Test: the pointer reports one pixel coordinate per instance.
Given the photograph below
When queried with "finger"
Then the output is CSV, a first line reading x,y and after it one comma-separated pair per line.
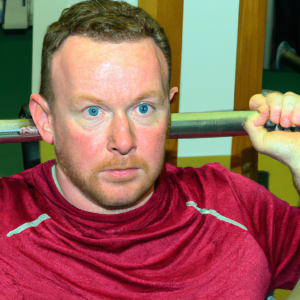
x,y
259,103
296,113
288,106
274,101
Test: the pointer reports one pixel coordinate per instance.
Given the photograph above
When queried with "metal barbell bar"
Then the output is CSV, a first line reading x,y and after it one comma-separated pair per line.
x,y
183,126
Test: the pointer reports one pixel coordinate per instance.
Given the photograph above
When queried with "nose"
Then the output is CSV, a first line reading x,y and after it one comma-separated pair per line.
x,y
121,137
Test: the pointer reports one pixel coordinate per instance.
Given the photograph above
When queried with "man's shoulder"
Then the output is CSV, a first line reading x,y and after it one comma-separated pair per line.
x,y
37,169
211,169
31,177
210,184
211,173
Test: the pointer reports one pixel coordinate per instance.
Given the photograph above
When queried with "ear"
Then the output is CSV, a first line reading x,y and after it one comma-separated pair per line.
x,y
173,91
42,117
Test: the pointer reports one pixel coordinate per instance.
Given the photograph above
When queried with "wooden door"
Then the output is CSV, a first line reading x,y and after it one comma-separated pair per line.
x,y
248,80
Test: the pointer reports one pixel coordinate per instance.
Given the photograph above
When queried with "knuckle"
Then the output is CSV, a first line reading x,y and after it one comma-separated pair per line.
x,y
274,97
289,102
290,94
257,98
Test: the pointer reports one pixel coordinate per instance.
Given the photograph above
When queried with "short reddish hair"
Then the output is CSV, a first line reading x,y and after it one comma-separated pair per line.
x,y
100,20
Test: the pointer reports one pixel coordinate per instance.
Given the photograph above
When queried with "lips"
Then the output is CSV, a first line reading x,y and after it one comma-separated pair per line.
x,y
120,174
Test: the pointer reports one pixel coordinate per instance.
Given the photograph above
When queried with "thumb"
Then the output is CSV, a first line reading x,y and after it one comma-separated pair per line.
x,y
256,130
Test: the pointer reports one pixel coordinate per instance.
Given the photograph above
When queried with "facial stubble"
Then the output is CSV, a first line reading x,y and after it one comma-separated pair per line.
x,y
123,193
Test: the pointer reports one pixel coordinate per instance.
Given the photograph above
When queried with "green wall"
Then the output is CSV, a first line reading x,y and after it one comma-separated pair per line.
x,y
281,81
15,88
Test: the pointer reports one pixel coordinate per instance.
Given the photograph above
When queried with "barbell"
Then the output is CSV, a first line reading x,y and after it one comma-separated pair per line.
x,y
183,126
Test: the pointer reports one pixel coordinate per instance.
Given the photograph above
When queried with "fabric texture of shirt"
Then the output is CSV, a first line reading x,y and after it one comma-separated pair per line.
x,y
204,234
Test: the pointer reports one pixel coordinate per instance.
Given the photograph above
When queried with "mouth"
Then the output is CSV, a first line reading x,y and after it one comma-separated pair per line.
x,y
120,173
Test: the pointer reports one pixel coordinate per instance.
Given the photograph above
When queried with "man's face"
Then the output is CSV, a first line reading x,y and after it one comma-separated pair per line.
x,y
110,118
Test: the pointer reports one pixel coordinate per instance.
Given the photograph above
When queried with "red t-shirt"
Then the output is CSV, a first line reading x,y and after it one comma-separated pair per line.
x,y
204,234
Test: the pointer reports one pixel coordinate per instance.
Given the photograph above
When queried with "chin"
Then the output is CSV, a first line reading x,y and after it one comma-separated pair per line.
x,y
118,198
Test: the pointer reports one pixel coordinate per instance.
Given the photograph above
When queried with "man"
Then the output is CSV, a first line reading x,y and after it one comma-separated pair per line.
x,y
108,220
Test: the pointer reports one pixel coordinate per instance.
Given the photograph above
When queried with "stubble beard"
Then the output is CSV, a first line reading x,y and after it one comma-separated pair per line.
x,y
89,185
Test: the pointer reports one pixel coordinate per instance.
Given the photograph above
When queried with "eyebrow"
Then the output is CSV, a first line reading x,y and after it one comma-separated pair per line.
x,y
146,95
151,94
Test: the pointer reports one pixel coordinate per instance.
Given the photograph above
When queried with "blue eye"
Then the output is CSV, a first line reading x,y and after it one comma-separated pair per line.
x,y
93,111
143,108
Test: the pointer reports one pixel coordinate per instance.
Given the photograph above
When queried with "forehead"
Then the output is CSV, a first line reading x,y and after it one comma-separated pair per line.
x,y
83,61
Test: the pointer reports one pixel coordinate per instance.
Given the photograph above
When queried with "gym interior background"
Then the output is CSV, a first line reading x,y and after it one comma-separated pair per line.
x,y
207,80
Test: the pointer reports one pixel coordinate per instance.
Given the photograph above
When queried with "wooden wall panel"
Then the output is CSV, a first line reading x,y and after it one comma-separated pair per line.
x,y
150,7
169,14
249,68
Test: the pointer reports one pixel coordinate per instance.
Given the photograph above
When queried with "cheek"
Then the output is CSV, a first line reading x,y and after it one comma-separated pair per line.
x,y
84,147
151,142
91,148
